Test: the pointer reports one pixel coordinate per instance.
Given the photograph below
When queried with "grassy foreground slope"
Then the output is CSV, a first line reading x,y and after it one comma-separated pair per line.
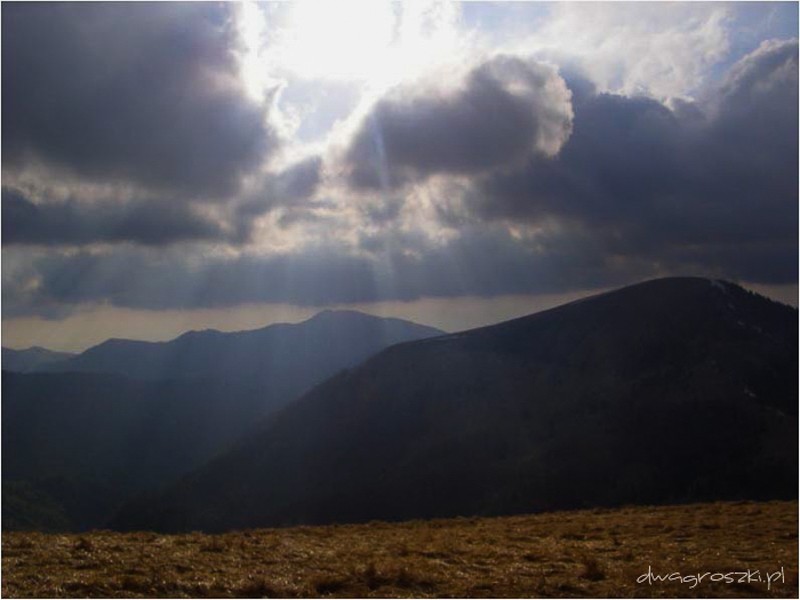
x,y
595,553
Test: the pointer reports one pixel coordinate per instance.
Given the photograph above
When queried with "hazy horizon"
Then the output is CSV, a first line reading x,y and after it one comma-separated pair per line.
x,y
73,334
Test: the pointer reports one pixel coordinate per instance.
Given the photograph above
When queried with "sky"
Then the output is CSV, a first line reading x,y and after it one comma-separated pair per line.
x,y
175,166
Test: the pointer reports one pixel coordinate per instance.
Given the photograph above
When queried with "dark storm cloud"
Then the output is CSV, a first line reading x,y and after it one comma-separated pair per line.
x,y
139,279
298,182
147,222
480,263
291,187
291,190
759,85
483,262
712,185
383,212
622,151
638,190
75,223
506,108
756,121
143,93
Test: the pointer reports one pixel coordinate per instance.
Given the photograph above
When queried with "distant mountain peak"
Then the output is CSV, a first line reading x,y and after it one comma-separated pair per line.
x,y
324,344
196,334
333,313
329,313
39,349
31,358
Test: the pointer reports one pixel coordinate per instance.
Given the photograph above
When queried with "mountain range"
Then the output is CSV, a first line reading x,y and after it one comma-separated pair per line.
x,y
284,359
89,431
31,359
673,390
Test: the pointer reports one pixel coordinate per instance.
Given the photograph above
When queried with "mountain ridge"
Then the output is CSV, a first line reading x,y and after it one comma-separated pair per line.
x,y
31,359
234,354
670,390
154,410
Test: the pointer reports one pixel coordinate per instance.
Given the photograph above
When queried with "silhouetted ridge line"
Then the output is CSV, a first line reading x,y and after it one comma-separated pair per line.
x,y
671,390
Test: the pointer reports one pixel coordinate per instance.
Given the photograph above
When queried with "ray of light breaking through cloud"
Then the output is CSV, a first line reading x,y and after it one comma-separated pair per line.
x,y
219,157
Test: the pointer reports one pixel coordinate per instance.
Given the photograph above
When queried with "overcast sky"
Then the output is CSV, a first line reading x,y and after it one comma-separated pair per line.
x,y
176,166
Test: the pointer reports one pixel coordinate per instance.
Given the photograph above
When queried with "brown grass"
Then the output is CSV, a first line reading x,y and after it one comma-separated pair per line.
x,y
594,553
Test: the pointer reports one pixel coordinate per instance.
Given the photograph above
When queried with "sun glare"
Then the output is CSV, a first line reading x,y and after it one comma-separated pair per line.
x,y
251,26
374,42
339,40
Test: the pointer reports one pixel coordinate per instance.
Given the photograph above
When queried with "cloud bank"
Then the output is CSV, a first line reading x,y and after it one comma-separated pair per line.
x,y
146,94
146,175
505,109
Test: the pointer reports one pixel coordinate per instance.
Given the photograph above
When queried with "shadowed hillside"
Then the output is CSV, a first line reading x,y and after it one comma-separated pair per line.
x,y
87,441
673,390
75,444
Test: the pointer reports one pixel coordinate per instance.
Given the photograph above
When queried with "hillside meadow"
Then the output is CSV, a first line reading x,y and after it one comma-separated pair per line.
x,y
590,553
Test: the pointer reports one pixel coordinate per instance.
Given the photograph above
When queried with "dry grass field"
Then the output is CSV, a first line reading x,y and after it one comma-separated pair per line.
x,y
594,553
